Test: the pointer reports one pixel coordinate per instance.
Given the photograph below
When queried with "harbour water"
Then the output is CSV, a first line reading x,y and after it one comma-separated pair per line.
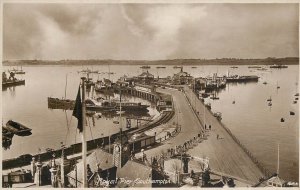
x,y
256,124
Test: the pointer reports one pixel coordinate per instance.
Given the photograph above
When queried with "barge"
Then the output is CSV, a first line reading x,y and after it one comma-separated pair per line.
x,y
56,103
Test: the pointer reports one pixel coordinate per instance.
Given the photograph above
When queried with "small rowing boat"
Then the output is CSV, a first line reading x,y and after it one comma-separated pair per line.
x,y
17,128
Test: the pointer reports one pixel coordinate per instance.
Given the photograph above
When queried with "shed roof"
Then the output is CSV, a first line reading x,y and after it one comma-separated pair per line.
x,y
104,159
135,173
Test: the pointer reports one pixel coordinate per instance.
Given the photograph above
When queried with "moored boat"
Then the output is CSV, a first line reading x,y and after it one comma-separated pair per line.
x,y
133,106
61,103
145,67
254,67
17,128
11,80
262,69
57,103
277,66
237,78
94,105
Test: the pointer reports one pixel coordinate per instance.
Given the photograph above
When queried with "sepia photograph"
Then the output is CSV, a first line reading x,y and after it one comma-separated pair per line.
x,y
170,94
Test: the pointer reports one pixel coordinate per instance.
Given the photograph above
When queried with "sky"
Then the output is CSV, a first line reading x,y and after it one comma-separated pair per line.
x,y
149,31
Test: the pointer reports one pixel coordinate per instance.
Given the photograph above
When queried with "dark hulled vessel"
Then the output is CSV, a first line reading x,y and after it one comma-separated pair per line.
x,y
237,78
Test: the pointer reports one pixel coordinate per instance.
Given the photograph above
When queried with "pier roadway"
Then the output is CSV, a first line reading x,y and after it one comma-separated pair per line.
x,y
190,126
224,154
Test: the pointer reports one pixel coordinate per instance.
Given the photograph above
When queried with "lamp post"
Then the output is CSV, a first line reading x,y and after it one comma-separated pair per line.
x,y
38,164
133,138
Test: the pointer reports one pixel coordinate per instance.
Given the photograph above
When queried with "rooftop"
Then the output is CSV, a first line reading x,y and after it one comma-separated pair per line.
x,y
146,75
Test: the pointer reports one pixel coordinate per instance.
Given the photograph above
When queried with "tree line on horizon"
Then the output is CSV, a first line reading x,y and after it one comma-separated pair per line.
x,y
217,61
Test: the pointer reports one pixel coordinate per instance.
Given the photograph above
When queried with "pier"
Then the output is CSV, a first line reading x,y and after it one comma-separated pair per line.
x,y
184,127
225,154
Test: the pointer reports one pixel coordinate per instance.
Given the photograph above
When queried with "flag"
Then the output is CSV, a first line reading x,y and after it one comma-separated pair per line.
x,y
77,112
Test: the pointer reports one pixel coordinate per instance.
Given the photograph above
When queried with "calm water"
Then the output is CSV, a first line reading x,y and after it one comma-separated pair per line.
x,y
256,124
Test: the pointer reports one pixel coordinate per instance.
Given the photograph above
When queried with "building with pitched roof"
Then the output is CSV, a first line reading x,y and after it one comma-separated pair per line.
x,y
146,77
182,78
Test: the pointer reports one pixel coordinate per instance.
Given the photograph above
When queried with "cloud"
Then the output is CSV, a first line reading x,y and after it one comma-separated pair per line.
x,y
149,31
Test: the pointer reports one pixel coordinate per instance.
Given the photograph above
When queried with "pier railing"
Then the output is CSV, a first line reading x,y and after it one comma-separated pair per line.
x,y
168,136
264,170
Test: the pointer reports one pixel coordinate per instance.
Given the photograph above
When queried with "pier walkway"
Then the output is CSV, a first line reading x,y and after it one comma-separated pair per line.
x,y
224,154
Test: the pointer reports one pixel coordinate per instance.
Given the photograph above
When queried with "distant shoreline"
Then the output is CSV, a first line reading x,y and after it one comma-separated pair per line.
x,y
183,62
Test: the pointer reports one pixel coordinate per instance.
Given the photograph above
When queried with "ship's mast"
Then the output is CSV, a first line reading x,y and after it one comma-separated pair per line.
x,y
84,173
66,85
278,159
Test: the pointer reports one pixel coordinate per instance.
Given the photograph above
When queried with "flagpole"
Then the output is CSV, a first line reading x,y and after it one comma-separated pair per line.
x,y
84,174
